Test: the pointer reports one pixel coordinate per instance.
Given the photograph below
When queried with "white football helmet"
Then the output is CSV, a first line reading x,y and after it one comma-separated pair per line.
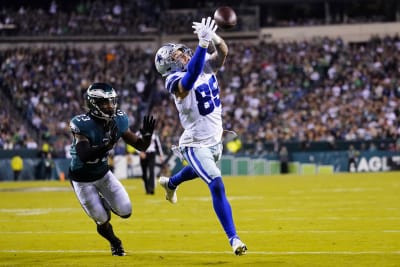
x,y
165,63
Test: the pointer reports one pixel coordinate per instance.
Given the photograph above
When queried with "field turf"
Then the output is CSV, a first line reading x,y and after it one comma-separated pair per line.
x,y
324,220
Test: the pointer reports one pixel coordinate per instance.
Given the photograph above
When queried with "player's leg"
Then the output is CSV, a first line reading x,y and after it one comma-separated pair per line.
x,y
170,184
203,161
115,194
224,212
185,174
91,202
106,231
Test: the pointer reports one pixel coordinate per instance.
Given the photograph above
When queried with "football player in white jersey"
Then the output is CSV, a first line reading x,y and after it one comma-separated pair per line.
x,y
191,79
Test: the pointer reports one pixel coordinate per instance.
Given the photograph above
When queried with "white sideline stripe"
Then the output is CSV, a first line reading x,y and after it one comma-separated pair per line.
x,y
336,218
307,209
210,232
214,252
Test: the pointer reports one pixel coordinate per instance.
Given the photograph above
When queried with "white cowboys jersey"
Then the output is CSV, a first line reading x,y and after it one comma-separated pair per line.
x,y
200,112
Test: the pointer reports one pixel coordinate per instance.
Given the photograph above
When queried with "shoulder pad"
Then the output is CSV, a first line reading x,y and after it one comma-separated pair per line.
x,y
74,127
122,121
77,123
172,81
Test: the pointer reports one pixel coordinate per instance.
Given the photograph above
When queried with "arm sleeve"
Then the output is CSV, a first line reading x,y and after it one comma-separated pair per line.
x,y
195,67
86,152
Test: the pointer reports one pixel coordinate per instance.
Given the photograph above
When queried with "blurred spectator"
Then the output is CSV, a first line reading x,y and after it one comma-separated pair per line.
x,y
352,155
30,143
48,166
17,165
284,160
148,162
234,145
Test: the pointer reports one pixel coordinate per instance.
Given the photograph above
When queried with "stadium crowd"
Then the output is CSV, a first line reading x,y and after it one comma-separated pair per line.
x,y
321,90
77,18
117,18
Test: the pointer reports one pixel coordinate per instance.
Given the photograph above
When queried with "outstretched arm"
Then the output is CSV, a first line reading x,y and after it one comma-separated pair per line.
x,y
195,67
140,143
205,31
143,142
218,56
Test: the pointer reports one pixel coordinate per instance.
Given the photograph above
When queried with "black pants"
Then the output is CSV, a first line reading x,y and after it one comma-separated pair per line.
x,y
148,164
47,173
352,162
16,175
284,167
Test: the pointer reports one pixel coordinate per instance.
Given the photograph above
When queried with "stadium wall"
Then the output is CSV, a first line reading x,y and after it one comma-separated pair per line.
x,y
347,32
301,163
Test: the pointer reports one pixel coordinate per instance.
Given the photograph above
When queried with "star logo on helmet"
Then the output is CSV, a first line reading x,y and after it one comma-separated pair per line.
x,y
159,58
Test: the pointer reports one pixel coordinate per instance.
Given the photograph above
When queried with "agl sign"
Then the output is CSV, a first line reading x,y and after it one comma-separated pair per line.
x,y
373,164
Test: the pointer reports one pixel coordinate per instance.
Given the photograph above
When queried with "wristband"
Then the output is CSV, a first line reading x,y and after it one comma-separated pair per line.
x,y
204,43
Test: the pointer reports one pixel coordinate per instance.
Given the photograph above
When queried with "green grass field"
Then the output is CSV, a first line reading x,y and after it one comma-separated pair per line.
x,y
326,220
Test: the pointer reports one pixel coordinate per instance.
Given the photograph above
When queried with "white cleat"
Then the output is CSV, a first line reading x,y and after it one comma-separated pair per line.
x,y
238,247
170,194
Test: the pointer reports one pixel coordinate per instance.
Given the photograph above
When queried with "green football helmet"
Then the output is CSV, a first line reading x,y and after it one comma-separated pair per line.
x,y
101,100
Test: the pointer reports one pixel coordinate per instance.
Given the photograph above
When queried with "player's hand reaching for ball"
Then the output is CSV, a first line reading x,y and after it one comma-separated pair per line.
x,y
205,31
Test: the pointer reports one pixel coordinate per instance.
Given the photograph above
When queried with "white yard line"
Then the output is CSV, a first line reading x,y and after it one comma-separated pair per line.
x,y
170,252
199,232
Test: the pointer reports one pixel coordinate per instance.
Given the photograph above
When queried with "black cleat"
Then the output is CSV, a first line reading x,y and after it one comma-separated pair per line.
x,y
117,249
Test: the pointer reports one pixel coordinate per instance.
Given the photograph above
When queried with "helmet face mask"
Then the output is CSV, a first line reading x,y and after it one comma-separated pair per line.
x,y
166,62
101,100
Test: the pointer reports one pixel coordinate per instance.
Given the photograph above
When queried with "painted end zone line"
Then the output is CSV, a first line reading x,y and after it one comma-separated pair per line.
x,y
214,252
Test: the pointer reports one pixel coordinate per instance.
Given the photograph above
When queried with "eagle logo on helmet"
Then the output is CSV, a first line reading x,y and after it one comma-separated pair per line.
x,y
101,100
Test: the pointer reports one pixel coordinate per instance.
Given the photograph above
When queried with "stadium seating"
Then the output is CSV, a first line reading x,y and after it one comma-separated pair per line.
x,y
324,90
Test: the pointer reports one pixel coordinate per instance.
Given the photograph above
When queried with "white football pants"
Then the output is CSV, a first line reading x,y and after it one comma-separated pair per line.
x,y
113,192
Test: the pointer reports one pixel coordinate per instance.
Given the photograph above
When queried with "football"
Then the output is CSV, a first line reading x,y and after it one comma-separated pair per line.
x,y
225,17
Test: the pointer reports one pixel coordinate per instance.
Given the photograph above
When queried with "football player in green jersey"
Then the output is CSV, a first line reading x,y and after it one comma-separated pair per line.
x,y
94,134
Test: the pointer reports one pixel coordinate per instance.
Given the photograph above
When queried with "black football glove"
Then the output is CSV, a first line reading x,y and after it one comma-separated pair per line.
x,y
148,126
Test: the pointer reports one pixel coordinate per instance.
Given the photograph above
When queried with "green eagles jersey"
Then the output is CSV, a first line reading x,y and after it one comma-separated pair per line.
x,y
98,134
